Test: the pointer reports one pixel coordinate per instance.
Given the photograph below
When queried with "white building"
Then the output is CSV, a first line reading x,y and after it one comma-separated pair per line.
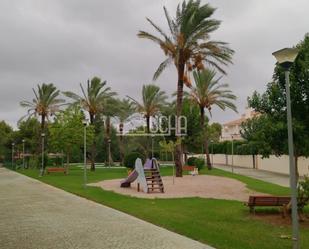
x,y
231,130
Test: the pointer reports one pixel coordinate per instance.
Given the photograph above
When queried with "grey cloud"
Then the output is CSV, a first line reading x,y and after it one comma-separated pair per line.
x,y
67,42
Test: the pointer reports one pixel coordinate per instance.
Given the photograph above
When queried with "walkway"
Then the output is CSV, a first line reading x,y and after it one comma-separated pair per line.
x,y
266,176
34,215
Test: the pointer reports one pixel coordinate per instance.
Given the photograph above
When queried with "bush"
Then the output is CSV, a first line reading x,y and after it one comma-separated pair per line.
x,y
191,161
199,163
196,161
129,159
303,193
34,162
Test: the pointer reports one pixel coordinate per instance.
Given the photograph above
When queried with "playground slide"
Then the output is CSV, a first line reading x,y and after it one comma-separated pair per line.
x,y
131,178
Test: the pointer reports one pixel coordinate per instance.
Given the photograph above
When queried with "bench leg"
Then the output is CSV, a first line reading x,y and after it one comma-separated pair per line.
x,y
252,210
284,211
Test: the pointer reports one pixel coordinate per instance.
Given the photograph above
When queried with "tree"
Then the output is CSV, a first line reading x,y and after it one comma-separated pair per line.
x,y
188,45
206,93
29,130
6,132
92,101
153,99
67,132
272,106
124,111
214,131
110,111
46,103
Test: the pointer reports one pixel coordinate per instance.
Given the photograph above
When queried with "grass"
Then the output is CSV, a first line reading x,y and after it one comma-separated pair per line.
x,y
220,223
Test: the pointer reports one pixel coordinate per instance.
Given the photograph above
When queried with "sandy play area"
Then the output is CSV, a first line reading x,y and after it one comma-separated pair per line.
x,y
188,186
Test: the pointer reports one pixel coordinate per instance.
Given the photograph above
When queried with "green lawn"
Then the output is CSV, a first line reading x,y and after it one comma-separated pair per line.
x,y
220,223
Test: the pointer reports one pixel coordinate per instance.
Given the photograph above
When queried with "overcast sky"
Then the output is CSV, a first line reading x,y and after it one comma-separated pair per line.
x,y
68,41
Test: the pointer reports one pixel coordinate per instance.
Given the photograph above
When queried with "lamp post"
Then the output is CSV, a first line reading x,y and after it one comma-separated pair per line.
x,y
85,152
109,152
13,145
23,153
285,58
42,162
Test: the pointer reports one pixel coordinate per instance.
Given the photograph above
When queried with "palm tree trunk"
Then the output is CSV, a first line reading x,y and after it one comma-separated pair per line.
x,y
206,150
148,124
178,150
121,145
93,146
108,138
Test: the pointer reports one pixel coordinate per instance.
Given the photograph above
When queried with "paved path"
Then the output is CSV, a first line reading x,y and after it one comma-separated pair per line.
x,y
271,177
34,215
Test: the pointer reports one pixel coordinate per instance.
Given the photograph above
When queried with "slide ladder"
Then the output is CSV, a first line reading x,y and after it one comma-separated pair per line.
x,y
153,179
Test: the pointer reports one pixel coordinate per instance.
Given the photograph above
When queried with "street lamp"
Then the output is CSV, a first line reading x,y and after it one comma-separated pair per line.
x,y
13,145
285,58
42,163
85,122
23,153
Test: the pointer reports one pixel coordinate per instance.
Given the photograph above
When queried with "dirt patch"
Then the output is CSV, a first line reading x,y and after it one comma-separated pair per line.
x,y
204,186
275,218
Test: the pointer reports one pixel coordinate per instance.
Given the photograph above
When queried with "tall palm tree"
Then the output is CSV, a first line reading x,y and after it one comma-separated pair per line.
x,y
188,45
92,101
153,100
124,112
208,92
45,103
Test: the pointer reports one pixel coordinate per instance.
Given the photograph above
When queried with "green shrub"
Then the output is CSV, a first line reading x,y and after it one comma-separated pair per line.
x,y
199,163
34,162
129,159
191,161
303,193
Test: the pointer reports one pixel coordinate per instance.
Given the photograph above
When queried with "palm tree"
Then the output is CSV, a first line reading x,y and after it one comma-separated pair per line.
x,y
92,101
45,103
208,92
188,46
153,100
124,112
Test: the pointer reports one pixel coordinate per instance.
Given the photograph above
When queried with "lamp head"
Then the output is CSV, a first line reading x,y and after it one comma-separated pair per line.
x,y
286,57
85,122
23,140
13,144
43,135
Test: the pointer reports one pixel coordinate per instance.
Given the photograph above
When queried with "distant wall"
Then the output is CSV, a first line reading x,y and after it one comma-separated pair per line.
x,y
272,164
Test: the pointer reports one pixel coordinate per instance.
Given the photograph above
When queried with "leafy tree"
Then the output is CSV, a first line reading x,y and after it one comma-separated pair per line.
x,y
67,132
206,93
194,139
214,132
153,99
46,103
29,130
92,101
272,105
6,132
125,110
188,45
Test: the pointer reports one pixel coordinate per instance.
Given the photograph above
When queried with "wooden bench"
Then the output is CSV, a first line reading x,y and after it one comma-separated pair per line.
x,y
50,170
268,201
192,169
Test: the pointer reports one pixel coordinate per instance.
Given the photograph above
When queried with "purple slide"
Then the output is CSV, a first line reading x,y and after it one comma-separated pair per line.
x,y
126,183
